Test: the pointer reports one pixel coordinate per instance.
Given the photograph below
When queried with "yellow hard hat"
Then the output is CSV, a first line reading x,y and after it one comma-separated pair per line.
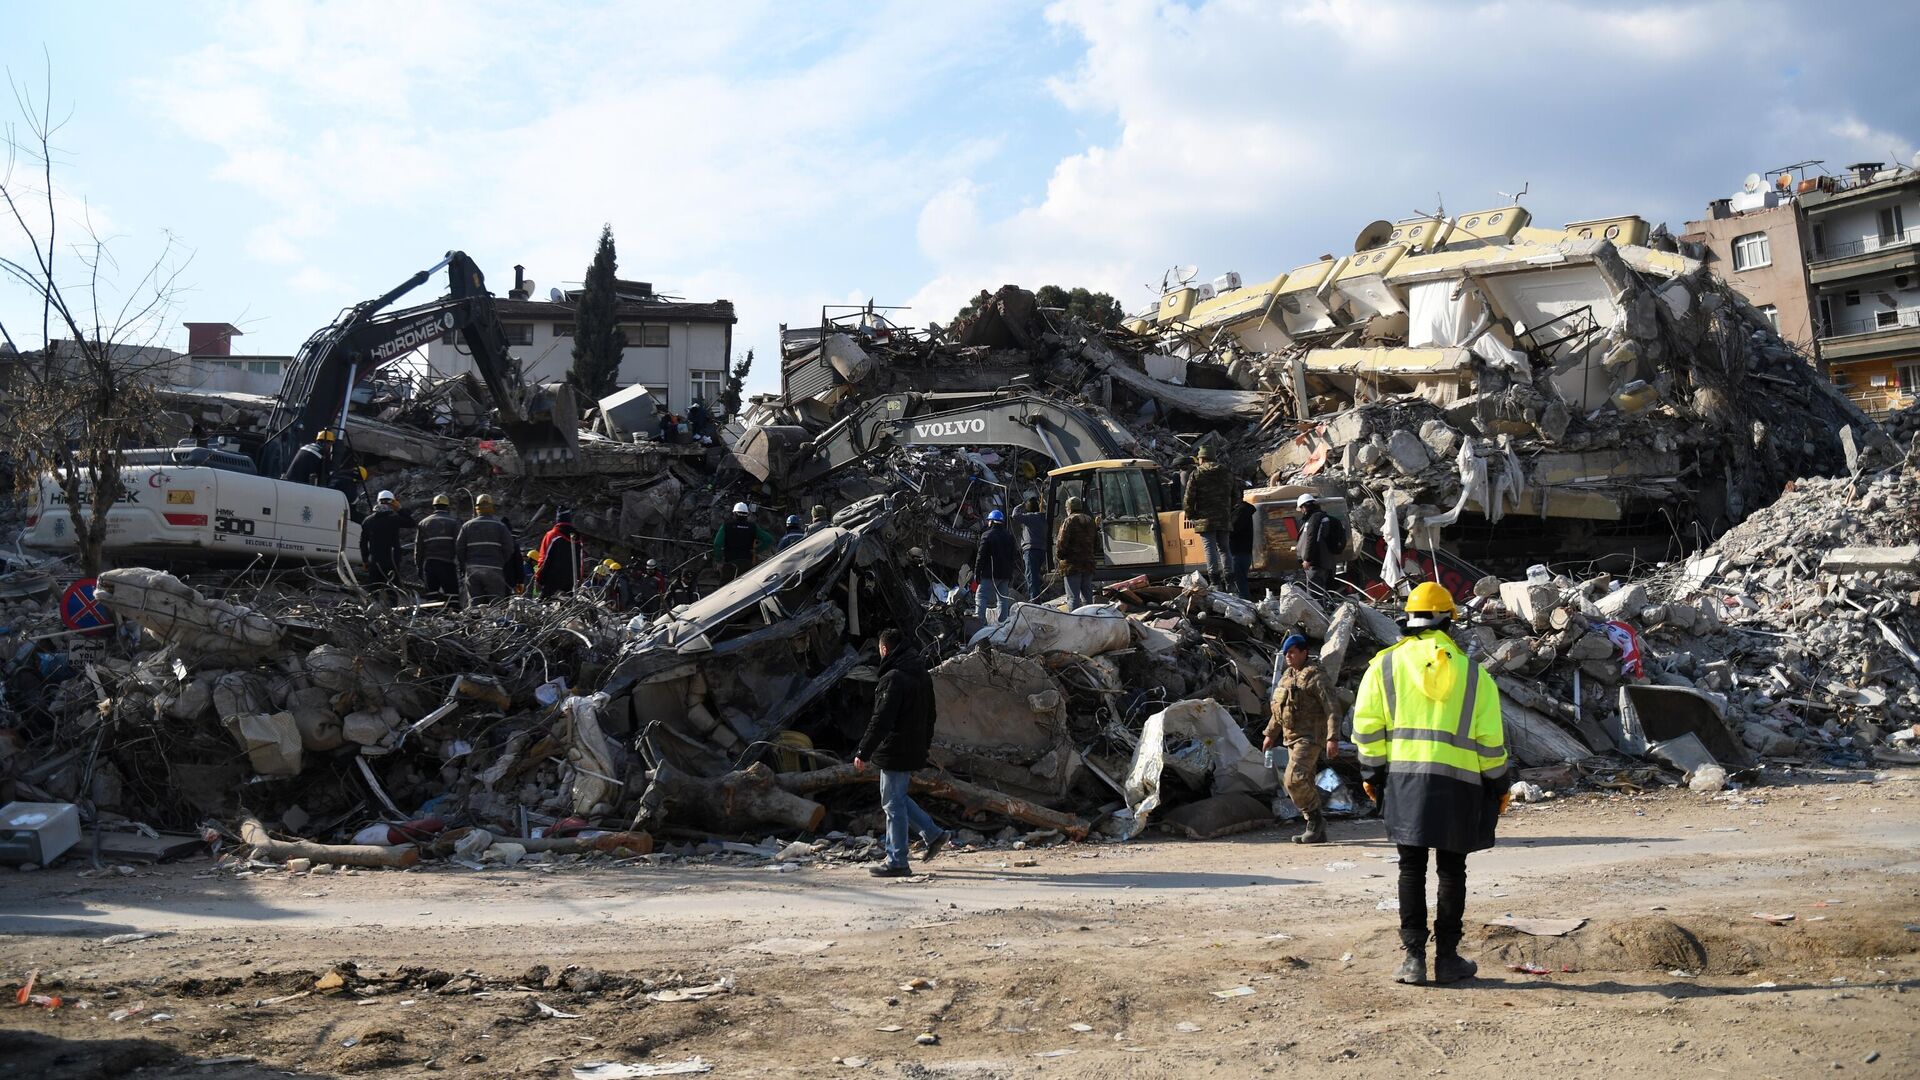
x,y
484,504
533,553
1430,598
325,436
611,565
442,500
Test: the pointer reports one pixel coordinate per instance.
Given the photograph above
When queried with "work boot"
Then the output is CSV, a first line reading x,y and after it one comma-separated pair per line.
x,y
1413,970
889,871
1316,829
1449,967
935,845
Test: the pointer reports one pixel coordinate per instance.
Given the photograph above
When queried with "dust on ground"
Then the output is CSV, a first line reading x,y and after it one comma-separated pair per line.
x,y
1124,961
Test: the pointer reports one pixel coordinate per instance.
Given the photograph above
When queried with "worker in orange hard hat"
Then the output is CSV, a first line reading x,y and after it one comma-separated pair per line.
x,y
1428,731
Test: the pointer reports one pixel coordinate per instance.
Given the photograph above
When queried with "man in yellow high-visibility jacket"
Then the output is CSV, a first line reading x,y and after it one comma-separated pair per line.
x,y
1428,718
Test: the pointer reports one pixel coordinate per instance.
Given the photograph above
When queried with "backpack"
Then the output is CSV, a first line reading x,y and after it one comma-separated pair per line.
x,y
1333,535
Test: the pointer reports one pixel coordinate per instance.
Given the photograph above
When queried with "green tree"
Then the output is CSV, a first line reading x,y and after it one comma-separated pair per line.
x,y
597,339
736,382
1094,308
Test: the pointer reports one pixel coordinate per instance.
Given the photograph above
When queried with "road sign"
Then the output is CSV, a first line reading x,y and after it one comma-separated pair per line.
x,y
80,611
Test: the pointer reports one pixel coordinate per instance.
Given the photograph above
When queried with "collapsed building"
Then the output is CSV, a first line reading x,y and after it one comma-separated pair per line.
x,y
1676,546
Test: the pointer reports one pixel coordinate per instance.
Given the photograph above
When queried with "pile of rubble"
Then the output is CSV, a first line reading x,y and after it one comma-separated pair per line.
x,y
1705,557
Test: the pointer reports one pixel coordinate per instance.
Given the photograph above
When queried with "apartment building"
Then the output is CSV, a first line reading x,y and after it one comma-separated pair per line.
x,y
1863,263
678,350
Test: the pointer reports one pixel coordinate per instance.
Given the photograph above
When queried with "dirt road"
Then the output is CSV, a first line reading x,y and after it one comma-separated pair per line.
x,y
1230,958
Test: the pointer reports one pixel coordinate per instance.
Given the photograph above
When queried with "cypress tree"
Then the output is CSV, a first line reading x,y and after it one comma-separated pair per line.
x,y
597,338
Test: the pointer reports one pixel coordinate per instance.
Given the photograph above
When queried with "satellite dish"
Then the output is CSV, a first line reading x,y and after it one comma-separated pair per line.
x,y
556,296
1374,235
1186,273
1916,159
1751,184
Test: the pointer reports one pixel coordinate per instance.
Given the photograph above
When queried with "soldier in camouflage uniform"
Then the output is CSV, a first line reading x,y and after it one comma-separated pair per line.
x,y
1305,719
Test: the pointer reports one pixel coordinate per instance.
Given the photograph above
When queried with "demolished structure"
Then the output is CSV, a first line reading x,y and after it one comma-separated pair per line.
x,y
1675,545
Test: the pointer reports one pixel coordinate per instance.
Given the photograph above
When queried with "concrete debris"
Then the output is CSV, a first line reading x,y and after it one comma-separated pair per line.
x,y
707,674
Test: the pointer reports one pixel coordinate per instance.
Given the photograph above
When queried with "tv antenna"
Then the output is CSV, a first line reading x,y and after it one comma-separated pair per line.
x,y
1516,196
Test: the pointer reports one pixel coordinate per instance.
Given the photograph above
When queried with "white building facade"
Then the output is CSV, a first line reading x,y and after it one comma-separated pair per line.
x,y
679,351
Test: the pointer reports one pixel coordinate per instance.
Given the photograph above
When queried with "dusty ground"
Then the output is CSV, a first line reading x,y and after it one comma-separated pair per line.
x,y
1671,976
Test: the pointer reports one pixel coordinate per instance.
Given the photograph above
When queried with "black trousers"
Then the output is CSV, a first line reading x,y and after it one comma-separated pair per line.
x,y
440,578
1451,868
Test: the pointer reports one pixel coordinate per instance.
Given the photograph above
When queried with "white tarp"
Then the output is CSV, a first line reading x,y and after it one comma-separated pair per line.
x,y
1237,763
1032,629
1436,316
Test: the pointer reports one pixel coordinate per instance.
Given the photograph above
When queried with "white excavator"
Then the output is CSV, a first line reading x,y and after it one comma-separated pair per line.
x,y
254,495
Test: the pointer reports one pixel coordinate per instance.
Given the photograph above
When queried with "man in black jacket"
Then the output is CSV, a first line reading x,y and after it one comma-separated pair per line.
x,y
896,740
994,566
380,542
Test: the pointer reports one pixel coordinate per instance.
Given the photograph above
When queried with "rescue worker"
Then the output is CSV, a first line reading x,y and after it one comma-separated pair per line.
x,y
563,559
616,588
994,565
530,572
380,541
685,590
1305,718
485,556
1323,540
1030,528
1240,548
794,534
1209,508
1078,548
734,542
1428,718
310,462
821,519
650,588
433,549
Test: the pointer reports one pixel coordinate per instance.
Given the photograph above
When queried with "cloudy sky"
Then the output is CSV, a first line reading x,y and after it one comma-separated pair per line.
x,y
304,156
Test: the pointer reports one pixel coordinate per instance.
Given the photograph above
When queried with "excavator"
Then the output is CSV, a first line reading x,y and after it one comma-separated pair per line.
x,y
1142,528
228,502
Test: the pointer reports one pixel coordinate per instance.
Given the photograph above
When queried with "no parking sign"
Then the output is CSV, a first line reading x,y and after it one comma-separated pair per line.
x,y
80,611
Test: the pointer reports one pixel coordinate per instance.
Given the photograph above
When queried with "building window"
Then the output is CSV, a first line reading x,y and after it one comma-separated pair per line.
x,y
518,333
647,336
1891,226
1819,239
563,329
1772,312
264,367
659,395
1851,297
1825,315
708,385
1751,250
1909,376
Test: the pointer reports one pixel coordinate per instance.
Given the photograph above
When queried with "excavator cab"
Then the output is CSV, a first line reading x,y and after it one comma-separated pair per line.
x,y
1142,528
1123,494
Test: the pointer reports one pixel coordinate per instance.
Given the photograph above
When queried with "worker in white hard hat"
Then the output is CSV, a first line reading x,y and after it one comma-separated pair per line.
x,y
1323,543
735,542
380,542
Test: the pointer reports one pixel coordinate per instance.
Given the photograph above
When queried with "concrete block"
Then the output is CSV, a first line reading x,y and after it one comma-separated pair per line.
x,y
1530,602
1407,454
1624,602
1856,560
1440,439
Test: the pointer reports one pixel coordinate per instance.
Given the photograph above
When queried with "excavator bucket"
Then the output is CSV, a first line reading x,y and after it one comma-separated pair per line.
x,y
548,429
768,454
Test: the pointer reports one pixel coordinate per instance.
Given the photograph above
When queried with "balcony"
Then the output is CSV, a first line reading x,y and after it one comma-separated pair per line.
x,y
1887,332
1867,255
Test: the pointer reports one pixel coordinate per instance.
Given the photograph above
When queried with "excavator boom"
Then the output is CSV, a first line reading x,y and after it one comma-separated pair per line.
x,y
786,456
